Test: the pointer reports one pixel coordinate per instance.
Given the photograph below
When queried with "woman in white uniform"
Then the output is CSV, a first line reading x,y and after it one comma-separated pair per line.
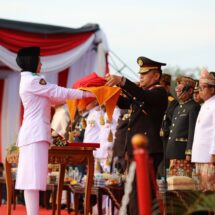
x,y
35,134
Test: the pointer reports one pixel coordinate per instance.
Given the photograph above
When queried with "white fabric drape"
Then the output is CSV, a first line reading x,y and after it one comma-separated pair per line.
x,y
58,62
54,63
87,58
10,110
82,67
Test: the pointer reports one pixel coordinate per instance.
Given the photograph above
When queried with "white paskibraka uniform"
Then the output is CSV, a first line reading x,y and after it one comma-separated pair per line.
x,y
35,134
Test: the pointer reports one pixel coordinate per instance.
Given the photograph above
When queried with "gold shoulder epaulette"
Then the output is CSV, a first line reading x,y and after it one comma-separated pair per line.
x,y
170,98
188,152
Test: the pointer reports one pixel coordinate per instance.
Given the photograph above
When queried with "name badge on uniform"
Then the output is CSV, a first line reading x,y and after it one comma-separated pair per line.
x,y
42,82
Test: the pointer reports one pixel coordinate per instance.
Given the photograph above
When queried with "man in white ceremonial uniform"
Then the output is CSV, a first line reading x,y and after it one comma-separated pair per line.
x,y
91,134
35,134
93,128
203,151
97,131
107,137
104,154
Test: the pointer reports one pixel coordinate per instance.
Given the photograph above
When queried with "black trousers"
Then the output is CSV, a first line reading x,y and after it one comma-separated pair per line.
x,y
133,204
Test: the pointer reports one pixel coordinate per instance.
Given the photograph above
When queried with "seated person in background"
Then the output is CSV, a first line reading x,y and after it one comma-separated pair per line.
x,y
79,125
61,121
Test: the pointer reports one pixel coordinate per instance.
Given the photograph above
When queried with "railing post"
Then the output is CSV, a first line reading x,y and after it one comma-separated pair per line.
x,y
141,158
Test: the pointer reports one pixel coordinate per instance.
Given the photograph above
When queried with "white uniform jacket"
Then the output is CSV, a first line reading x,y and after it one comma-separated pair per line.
x,y
92,131
105,145
204,136
37,96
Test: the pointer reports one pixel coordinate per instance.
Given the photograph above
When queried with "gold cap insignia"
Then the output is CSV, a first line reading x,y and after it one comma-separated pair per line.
x,y
140,62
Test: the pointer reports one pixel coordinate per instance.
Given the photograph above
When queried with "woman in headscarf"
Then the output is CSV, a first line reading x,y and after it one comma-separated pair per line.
x,y
37,95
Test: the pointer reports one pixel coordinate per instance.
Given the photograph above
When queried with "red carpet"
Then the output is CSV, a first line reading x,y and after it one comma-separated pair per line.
x,y
20,210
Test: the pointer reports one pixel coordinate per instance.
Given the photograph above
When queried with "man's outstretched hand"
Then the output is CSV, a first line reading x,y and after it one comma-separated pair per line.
x,y
113,80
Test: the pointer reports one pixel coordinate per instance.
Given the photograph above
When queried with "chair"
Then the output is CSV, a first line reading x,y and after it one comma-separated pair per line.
x,y
115,193
53,189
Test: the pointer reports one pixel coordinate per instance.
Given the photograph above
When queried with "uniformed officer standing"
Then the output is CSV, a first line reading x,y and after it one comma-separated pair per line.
x,y
149,102
172,103
182,129
119,161
35,134
167,121
196,95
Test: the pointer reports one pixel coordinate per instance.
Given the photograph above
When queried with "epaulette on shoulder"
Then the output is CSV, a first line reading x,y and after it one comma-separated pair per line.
x,y
171,98
34,74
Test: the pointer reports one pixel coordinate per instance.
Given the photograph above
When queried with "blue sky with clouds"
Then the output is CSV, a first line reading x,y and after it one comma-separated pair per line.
x,y
178,32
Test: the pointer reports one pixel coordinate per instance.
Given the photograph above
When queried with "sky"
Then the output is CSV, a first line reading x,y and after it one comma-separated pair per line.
x,y
177,32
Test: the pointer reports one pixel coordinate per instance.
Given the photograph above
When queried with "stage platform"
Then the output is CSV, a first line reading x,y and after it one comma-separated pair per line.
x,y
20,210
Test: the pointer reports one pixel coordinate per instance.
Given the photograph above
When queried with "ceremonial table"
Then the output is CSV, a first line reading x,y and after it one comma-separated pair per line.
x,y
74,154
